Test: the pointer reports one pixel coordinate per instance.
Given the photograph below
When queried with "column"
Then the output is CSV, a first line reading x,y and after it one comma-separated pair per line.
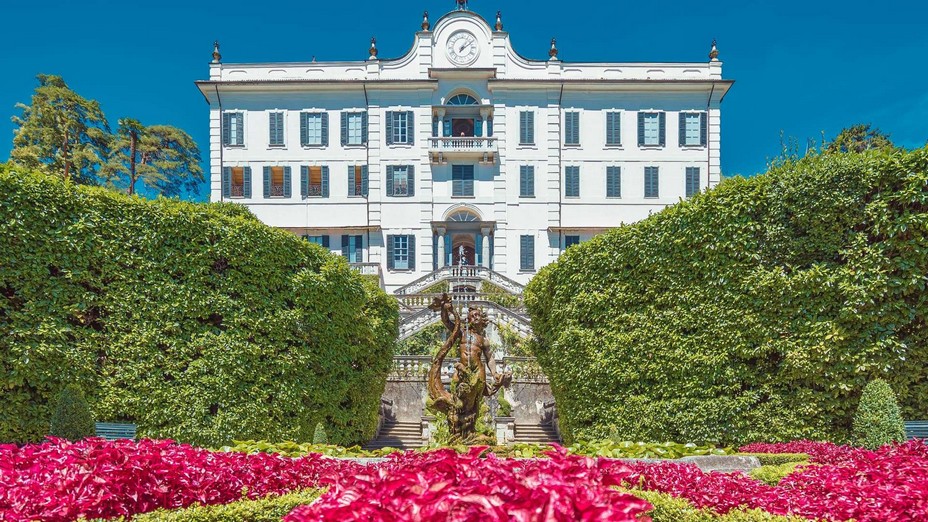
x,y
484,115
486,247
442,261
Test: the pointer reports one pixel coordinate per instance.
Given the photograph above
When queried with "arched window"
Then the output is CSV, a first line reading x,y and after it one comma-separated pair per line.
x,y
463,99
463,216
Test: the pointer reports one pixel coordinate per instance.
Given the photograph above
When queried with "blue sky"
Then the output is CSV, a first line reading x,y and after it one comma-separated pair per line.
x,y
800,67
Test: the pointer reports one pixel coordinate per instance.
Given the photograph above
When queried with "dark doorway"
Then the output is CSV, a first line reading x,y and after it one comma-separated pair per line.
x,y
462,127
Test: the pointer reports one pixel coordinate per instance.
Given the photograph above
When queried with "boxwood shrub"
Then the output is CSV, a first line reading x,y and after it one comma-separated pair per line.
x,y
754,311
195,321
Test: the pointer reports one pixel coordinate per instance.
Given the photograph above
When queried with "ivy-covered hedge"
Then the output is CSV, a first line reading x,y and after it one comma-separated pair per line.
x,y
196,322
754,311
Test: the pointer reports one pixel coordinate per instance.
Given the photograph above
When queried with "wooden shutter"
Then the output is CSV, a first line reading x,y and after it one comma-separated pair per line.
x,y
662,128
640,129
364,181
359,249
389,127
478,128
246,182
410,128
288,183
526,181
304,129
344,128
226,128
390,170
683,129
703,128
572,183
325,182
489,127
435,123
364,127
411,243
226,182
240,128
613,128
527,253
346,240
411,180
447,129
267,182
325,242
304,181
613,182
390,248
273,127
325,129
351,180
572,129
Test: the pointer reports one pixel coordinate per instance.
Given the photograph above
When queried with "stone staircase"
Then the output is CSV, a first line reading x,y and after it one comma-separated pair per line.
x,y
400,435
536,433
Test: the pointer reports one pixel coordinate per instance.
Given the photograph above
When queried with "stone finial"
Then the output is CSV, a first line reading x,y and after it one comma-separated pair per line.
x,y
462,5
217,58
499,20
426,26
714,53
373,50
553,52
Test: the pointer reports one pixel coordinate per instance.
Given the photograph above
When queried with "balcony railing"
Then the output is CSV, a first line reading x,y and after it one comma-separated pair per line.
x,y
238,191
277,191
370,269
314,190
482,148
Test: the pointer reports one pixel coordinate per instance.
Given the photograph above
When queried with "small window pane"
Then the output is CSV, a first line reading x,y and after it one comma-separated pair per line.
x,y
693,128
400,131
400,181
652,128
401,252
314,129
238,182
355,129
651,182
570,241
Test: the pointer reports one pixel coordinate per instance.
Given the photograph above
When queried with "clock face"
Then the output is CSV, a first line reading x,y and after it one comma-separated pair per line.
x,y
463,48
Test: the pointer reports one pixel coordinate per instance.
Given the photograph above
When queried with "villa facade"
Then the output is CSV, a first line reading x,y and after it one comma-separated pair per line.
x,y
462,151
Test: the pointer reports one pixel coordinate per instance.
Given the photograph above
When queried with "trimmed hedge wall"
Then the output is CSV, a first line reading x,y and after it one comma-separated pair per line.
x,y
755,311
196,322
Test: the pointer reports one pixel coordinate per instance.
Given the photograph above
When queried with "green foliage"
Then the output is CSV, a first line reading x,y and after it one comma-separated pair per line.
x,y
61,133
296,449
671,509
776,459
878,420
426,342
754,311
505,407
164,158
643,450
500,296
195,322
772,474
319,436
267,509
72,419
859,138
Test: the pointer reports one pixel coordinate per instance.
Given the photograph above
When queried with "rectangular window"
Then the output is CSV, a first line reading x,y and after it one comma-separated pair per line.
x,y
462,181
572,182
526,181
312,123
613,128
651,188
233,129
322,241
357,180
527,128
527,254
400,181
277,182
401,252
572,128
651,128
353,248
692,181
401,127
692,129
238,182
613,182
355,128
276,129
570,241
315,182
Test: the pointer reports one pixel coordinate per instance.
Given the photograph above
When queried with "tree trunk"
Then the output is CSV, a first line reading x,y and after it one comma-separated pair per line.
x,y
64,151
133,146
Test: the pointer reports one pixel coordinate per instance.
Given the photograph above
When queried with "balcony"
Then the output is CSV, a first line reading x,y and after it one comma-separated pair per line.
x,y
467,148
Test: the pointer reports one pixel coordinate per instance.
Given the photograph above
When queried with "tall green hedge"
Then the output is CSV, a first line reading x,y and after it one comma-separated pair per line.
x,y
754,311
196,322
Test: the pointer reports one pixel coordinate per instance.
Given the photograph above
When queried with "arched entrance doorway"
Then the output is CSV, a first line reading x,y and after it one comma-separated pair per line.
x,y
463,250
463,238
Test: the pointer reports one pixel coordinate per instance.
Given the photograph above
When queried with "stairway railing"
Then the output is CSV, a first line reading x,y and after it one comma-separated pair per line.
x,y
461,273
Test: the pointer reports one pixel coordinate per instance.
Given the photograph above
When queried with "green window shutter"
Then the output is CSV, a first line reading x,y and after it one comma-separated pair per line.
x,y
489,127
304,181
267,182
325,242
410,128
682,129
411,180
390,261
527,128
389,127
527,254
226,128
276,128
351,180
447,125
240,125
246,182
613,182
692,181
478,128
344,128
640,129
226,182
390,170
662,130
412,252
364,181
703,128
325,129
304,129
364,128
435,122
526,181
346,245
613,128
651,182
288,183
325,182
572,182
572,128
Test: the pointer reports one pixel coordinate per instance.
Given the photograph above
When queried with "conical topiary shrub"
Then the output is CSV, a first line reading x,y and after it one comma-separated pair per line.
x,y
72,419
319,436
878,420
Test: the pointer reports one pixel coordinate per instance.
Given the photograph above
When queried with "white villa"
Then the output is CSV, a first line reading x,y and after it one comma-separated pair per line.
x,y
462,147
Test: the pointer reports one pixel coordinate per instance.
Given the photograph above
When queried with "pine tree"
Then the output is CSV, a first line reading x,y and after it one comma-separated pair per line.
x,y
878,420
319,436
72,419
164,158
61,133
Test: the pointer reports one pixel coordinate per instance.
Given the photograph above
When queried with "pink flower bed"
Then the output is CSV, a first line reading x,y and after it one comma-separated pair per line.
x,y
850,483
59,480
444,486
819,452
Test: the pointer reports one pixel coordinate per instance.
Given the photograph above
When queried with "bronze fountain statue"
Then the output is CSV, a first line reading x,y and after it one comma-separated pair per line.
x,y
469,383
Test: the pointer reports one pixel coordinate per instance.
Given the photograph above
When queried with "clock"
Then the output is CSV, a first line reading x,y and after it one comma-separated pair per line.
x,y
463,48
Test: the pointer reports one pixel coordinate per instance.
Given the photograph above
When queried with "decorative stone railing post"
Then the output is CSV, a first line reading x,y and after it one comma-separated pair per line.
x,y
428,429
505,430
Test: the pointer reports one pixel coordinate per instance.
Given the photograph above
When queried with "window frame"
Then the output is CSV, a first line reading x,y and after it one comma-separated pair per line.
x,y
617,114
657,180
527,128
686,130
657,131
463,182
232,184
526,172
359,117
281,127
686,181
397,248
529,240
401,129
617,171
571,170
233,115
567,238
394,171
571,126
310,116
